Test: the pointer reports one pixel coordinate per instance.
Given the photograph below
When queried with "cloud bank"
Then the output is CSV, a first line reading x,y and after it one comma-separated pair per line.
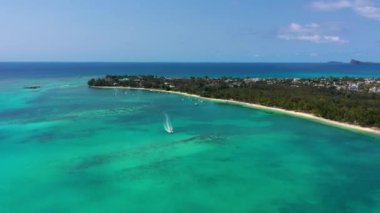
x,y
310,32
364,8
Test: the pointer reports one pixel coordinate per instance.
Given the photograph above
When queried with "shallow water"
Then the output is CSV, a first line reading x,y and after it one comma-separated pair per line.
x,y
68,148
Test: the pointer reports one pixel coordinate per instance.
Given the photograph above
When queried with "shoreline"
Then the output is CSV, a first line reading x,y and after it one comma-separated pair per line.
x,y
341,125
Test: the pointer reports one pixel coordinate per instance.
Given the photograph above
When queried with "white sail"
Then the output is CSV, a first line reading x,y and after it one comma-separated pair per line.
x,y
167,124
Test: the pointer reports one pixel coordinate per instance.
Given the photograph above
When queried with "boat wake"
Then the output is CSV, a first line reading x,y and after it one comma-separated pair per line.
x,y
168,127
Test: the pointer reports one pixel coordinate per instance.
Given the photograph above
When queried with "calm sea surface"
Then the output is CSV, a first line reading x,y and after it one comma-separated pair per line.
x,y
33,70
68,148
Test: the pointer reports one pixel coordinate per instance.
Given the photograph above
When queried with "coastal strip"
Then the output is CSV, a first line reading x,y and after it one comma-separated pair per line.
x,y
346,126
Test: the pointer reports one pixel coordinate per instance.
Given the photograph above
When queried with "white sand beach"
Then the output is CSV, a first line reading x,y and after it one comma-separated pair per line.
x,y
351,127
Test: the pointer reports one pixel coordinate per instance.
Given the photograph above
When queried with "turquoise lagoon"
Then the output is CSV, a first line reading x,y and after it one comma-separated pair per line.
x,y
69,148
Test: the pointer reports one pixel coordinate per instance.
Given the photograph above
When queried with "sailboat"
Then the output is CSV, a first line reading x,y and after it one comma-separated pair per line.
x,y
168,124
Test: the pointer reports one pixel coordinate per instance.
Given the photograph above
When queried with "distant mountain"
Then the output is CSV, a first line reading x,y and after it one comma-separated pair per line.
x,y
357,62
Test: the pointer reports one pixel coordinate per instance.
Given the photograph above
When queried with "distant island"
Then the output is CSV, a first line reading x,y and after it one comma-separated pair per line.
x,y
357,62
353,101
352,61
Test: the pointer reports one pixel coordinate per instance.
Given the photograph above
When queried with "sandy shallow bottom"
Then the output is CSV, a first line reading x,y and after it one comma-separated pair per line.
x,y
69,148
374,131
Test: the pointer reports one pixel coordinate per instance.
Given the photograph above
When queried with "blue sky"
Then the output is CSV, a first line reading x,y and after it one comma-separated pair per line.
x,y
190,31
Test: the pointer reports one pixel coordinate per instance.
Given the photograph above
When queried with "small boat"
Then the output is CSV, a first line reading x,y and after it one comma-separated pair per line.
x,y
168,125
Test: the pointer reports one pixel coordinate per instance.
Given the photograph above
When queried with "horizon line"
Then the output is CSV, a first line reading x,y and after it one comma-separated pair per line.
x,y
183,62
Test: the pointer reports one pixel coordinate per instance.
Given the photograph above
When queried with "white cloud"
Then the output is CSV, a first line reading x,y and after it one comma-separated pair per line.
x,y
368,11
331,5
363,8
310,32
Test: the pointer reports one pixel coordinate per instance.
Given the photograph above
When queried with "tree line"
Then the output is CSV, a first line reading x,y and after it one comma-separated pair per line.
x,y
345,106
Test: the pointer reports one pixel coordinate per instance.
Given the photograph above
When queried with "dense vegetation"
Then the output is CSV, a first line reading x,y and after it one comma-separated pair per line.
x,y
354,107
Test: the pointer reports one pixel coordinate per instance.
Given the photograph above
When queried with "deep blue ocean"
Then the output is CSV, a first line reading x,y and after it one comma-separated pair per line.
x,y
291,70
